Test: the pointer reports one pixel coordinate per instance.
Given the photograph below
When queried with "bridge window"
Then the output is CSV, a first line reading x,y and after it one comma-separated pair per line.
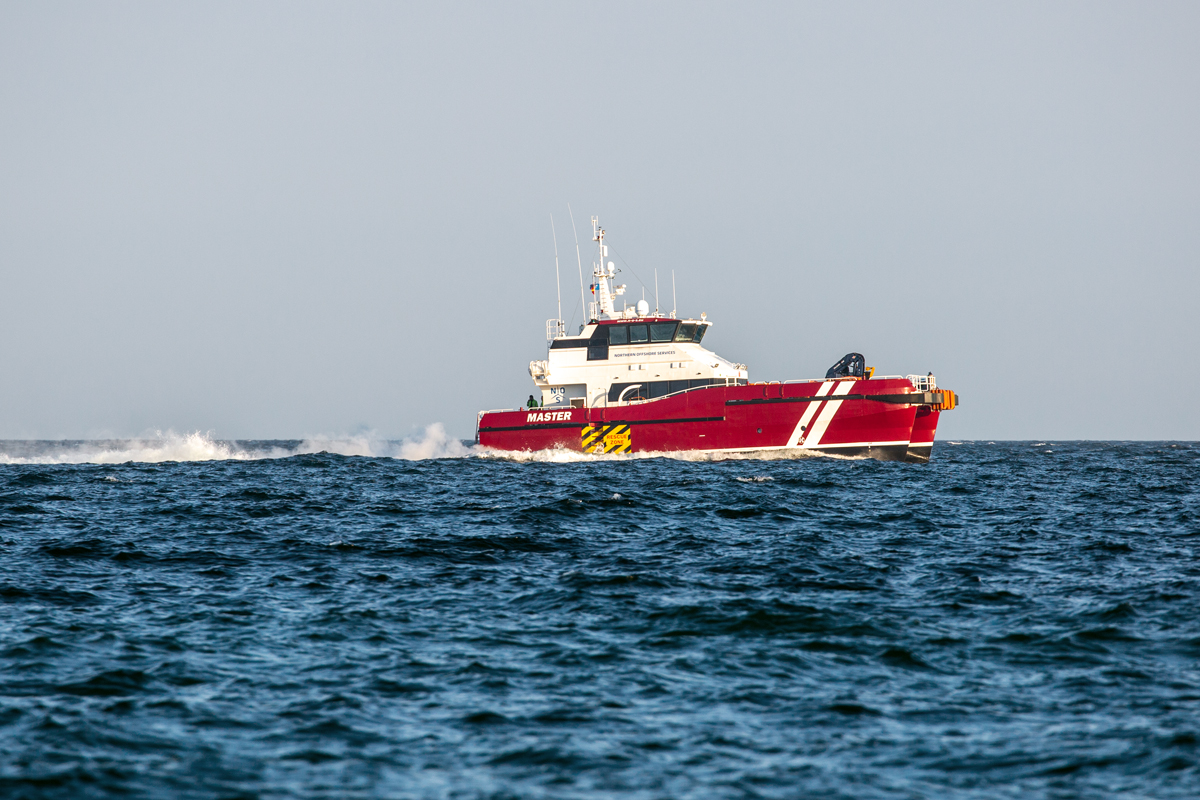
x,y
638,334
686,331
662,331
700,331
618,334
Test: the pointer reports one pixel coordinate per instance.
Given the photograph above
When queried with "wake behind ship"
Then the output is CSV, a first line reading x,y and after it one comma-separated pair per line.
x,y
636,381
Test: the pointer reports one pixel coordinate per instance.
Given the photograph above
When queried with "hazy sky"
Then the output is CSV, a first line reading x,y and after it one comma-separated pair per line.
x,y
287,219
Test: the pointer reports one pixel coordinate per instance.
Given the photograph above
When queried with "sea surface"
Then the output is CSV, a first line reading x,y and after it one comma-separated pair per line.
x,y
188,618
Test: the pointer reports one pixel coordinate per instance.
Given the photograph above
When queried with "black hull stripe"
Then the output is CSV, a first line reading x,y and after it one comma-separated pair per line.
x,y
603,422
914,399
542,425
661,421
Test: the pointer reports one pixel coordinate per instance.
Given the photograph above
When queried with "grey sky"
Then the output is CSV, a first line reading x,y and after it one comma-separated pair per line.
x,y
277,220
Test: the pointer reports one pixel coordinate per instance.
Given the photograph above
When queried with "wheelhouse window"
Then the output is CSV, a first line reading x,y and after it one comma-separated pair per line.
x,y
662,331
700,331
686,331
598,345
560,344
618,334
638,334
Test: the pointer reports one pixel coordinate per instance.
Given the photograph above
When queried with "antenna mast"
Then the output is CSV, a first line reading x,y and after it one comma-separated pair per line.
x,y
674,305
598,293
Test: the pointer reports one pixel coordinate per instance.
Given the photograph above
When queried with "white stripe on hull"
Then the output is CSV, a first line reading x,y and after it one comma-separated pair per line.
x,y
794,439
822,424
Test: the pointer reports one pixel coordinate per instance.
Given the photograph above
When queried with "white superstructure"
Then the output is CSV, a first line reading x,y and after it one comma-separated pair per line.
x,y
627,355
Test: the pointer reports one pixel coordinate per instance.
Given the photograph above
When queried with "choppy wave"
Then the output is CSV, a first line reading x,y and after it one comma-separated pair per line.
x,y
162,447
432,443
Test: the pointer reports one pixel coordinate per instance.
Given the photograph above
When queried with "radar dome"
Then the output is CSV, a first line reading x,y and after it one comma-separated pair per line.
x,y
643,308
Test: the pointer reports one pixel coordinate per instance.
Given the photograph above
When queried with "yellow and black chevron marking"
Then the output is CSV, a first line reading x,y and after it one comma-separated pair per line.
x,y
615,438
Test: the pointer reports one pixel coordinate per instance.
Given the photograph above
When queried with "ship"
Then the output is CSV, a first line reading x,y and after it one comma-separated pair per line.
x,y
632,380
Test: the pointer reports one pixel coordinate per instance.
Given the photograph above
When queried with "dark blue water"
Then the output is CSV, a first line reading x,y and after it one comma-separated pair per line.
x,y
1009,621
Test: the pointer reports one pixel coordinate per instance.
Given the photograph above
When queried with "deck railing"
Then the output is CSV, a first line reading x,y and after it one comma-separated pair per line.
x,y
923,383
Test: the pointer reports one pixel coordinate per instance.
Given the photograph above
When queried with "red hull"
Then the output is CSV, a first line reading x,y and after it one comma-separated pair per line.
x,y
880,418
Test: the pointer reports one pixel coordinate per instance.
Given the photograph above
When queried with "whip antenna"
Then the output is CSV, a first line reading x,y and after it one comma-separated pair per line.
x,y
557,280
675,305
579,258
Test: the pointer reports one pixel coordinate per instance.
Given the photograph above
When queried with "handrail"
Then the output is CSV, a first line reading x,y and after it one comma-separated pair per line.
x,y
822,380
915,380
621,396
672,394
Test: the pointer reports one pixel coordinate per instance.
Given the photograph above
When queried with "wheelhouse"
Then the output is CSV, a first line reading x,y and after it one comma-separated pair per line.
x,y
611,334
